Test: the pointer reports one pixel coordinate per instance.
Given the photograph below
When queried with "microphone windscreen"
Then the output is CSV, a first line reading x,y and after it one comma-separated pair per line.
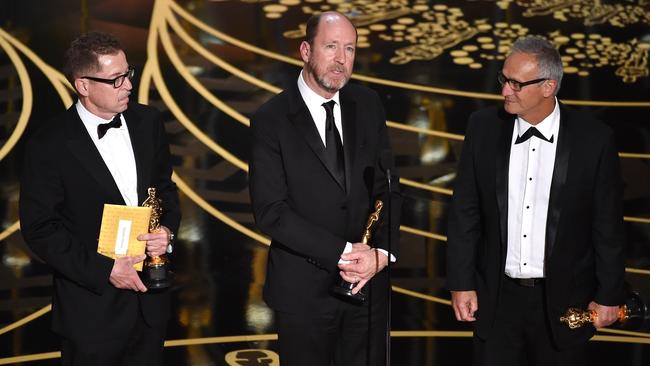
x,y
386,160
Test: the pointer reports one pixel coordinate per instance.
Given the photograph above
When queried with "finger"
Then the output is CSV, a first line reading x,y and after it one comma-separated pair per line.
x,y
351,278
462,312
473,307
359,286
352,267
454,307
139,285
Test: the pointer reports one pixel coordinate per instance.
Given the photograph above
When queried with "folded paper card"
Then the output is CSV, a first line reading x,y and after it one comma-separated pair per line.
x,y
121,225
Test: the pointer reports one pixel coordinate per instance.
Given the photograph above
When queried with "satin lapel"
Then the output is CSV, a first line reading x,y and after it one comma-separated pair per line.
x,y
301,118
560,171
349,123
83,148
141,146
507,123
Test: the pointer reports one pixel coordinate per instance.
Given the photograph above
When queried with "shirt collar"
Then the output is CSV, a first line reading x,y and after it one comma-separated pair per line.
x,y
548,127
310,97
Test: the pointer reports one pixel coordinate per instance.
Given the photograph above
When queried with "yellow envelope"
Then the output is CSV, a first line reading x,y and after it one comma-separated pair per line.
x,y
121,225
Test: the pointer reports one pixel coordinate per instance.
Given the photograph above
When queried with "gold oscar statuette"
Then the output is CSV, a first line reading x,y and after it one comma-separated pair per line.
x,y
344,288
576,318
156,273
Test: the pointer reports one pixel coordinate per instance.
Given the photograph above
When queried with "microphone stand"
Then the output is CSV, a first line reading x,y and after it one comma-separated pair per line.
x,y
387,161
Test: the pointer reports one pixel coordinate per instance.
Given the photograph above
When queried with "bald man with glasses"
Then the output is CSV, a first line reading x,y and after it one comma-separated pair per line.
x,y
536,223
103,150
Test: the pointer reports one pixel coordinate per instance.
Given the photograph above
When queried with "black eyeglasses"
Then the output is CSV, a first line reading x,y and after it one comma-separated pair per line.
x,y
516,85
116,82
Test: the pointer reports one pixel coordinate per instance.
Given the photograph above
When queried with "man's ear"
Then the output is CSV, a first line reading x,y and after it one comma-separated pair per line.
x,y
305,51
82,86
549,88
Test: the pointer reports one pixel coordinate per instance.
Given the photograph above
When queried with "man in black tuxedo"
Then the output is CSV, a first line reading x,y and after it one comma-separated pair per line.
x,y
103,149
315,176
536,223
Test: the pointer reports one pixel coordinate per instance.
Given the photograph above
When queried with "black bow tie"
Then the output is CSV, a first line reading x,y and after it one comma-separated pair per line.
x,y
116,122
532,132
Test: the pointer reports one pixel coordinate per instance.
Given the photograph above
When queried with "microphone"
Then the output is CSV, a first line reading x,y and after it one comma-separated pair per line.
x,y
386,164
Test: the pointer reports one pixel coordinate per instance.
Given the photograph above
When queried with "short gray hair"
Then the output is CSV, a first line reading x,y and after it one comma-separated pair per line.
x,y
547,56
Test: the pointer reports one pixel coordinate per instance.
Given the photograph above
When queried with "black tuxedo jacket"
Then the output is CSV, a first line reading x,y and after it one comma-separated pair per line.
x,y
65,185
306,211
584,253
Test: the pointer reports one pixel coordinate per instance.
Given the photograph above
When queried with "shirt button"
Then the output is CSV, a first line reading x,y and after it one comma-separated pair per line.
x,y
533,149
530,178
525,236
527,206
525,264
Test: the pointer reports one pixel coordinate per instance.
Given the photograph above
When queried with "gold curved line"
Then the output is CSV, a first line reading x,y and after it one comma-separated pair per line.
x,y
430,334
180,32
642,220
419,232
190,126
29,358
224,339
189,192
237,72
180,67
426,131
624,332
27,96
402,85
424,186
58,80
420,295
27,319
620,339
273,337
637,271
10,230
627,155
176,111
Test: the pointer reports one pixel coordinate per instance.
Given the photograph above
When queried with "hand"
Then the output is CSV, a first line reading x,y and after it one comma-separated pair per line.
x,y
124,276
363,265
605,315
465,304
156,241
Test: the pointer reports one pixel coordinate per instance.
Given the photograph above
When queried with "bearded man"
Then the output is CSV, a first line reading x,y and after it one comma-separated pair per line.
x,y
314,177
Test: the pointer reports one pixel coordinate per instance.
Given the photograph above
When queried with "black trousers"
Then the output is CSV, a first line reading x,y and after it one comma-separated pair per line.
x,y
349,335
143,347
521,333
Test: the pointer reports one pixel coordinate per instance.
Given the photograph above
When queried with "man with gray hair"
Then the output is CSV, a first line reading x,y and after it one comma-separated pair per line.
x,y
535,224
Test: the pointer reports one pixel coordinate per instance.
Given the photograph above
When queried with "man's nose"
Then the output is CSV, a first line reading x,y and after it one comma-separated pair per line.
x,y
506,90
339,56
127,84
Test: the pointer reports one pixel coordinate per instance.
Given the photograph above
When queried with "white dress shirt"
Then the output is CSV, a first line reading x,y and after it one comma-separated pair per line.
x,y
314,103
116,151
529,187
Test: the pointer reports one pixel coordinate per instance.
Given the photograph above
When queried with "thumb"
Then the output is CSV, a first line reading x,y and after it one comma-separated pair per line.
x,y
137,258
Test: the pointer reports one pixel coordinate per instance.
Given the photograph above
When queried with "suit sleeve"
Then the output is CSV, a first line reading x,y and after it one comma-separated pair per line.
x,y
607,227
464,227
44,228
162,173
270,198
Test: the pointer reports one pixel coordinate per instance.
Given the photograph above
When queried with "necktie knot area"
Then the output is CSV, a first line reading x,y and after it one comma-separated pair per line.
x,y
104,127
530,133
329,113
